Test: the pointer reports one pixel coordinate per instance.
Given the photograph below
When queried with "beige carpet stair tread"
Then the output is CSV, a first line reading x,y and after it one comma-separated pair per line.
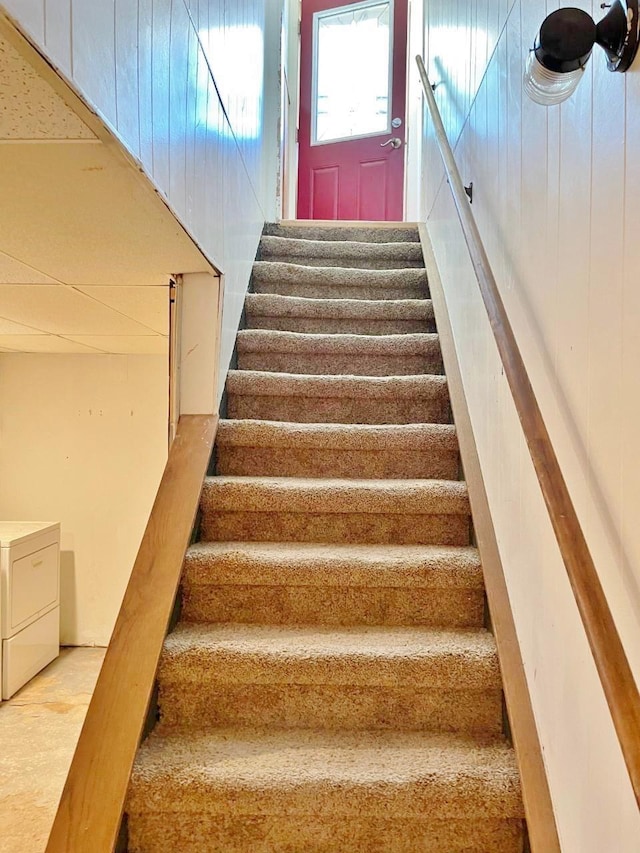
x,y
252,447
361,233
441,438
317,354
307,772
274,305
310,564
269,340
463,660
301,583
287,273
274,247
297,495
265,384
335,398
338,282
332,678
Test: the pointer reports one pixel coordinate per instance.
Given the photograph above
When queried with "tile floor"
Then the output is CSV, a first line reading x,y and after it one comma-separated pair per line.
x,y
39,728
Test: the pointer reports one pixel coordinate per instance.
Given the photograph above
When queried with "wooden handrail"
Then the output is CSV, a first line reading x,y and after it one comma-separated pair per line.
x,y
90,811
617,679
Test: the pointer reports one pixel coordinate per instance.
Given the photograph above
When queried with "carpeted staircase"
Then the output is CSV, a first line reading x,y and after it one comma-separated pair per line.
x,y
331,686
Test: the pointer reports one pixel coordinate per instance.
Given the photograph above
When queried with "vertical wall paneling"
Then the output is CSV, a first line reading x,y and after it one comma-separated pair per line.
x,y
57,32
557,203
30,13
94,54
127,73
178,89
161,67
182,83
145,81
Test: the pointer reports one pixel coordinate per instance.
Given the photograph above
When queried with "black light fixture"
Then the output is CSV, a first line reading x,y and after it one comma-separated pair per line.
x,y
563,46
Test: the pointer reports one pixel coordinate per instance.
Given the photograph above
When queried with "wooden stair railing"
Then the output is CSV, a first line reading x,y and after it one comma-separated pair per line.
x,y
620,688
90,811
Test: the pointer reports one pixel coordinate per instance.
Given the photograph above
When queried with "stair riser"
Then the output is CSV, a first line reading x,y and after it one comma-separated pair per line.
x,y
330,291
307,605
337,326
168,832
341,365
345,263
361,528
330,707
350,464
344,410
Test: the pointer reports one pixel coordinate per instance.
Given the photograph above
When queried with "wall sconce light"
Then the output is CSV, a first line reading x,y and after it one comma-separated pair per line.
x,y
563,46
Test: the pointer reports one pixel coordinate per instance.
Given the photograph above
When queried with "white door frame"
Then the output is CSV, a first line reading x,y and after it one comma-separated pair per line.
x,y
415,114
291,103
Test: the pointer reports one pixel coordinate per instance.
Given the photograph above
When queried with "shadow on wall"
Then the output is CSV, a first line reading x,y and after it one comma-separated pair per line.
x,y
68,597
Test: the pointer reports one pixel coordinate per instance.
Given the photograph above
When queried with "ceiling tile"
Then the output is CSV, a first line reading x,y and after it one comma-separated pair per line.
x,y
15,272
42,344
8,327
63,311
146,305
126,344
86,216
29,108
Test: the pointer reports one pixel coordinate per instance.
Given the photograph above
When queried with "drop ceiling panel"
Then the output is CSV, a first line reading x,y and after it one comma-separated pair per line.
x,y
15,272
146,305
63,311
126,345
29,108
42,343
86,217
8,327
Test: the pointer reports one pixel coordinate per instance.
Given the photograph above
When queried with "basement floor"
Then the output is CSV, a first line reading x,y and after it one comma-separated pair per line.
x,y
39,728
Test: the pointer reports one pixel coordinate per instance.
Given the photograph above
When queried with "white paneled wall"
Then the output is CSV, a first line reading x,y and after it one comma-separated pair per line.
x,y
181,82
557,201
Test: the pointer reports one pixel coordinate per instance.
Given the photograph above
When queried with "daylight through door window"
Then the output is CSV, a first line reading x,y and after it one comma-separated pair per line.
x,y
351,71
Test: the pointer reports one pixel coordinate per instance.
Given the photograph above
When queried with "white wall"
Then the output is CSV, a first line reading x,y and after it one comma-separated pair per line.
x,y
559,225
182,84
291,105
83,441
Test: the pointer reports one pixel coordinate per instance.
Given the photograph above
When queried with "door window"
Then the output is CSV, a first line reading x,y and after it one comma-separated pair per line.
x,y
351,71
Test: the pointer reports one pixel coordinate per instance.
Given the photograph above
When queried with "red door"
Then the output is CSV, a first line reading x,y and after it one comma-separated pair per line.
x,y
352,109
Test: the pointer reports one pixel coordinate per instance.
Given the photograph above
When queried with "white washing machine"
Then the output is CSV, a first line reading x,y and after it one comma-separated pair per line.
x,y
30,600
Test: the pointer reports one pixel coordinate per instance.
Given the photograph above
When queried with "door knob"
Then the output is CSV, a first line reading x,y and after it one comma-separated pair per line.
x,y
394,142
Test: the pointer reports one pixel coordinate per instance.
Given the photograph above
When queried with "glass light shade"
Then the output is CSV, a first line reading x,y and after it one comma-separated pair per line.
x,y
548,87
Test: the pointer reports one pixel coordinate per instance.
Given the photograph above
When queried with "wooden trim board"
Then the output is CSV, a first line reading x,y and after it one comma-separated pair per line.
x,y
541,823
90,811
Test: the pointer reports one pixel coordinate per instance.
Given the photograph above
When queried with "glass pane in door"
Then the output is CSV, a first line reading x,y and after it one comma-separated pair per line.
x,y
351,71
